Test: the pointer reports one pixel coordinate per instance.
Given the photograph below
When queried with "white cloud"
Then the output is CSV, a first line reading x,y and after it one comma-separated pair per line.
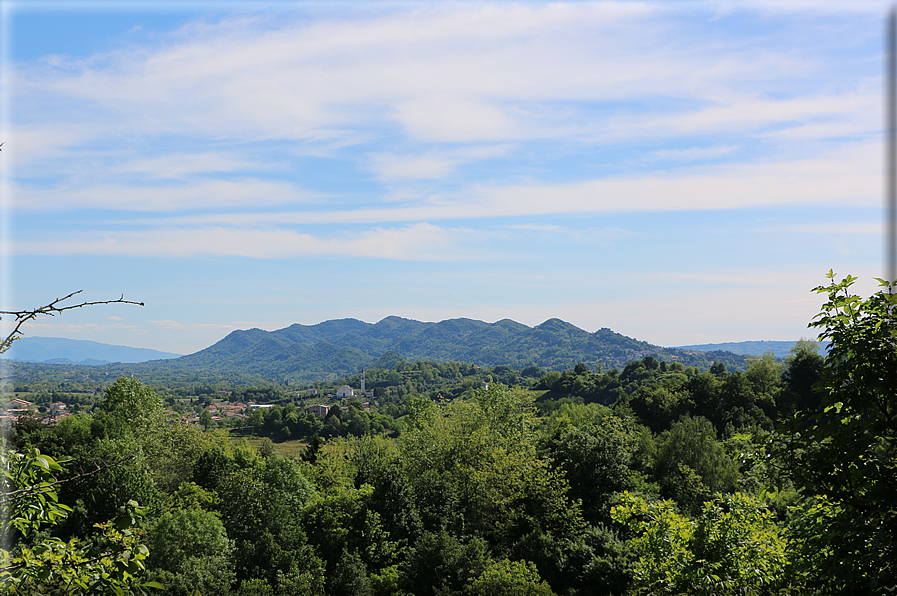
x,y
859,228
182,165
432,164
34,143
845,177
453,119
192,327
203,194
542,228
388,166
695,153
418,242
849,176
449,73
815,7
810,116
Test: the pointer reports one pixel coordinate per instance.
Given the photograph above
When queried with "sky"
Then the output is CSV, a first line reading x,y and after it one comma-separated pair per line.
x,y
678,172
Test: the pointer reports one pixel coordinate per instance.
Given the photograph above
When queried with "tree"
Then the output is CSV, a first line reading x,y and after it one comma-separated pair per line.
x,y
190,551
475,465
205,418
732,547
132,405
111,561
596,457
803,372
692,464
440,563
261,508
843,457
509,578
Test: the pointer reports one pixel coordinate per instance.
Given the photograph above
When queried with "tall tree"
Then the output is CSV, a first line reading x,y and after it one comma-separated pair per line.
x,y
845,456
477,465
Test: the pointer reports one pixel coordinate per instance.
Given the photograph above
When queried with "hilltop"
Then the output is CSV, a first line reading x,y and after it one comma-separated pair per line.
x,y
344,346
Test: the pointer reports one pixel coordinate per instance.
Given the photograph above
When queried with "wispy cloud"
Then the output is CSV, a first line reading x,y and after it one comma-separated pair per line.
x,y
182,165
432,164
695,153
553,229
192,326
417,242
203,194
861,228
449,73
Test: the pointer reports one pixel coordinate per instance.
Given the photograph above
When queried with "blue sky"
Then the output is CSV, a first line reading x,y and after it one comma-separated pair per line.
x,y
680,172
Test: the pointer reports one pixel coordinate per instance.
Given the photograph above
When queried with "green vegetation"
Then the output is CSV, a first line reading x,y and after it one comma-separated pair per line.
x,y
301,355
454,479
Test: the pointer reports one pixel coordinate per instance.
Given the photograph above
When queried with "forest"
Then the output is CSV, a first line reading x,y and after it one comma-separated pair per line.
x,y
653,478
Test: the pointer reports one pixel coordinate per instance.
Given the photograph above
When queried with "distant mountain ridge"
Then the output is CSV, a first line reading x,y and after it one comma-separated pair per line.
x,y
57,350
779,349
344,346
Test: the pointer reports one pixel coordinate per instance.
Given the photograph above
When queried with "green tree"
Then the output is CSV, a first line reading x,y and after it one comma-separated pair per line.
x,y
509,578
844,457
440,563
349,577
262,502
476,463
132,405
108,561
173,452
692,465
733,547
205,418
803,372
190,551
596,457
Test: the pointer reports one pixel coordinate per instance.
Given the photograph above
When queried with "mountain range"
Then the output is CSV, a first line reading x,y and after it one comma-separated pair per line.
x,y
56,350
345,346
779,349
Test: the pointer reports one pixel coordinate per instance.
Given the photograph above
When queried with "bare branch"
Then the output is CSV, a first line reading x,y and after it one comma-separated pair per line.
x,y
49,310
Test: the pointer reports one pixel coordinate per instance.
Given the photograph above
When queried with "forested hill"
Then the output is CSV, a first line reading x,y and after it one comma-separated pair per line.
x,y
344,346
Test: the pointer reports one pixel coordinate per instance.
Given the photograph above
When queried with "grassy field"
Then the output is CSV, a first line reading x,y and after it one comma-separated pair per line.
x,y
292,449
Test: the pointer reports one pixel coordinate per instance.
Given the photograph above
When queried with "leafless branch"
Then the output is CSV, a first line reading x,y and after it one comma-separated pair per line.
x,y
49,310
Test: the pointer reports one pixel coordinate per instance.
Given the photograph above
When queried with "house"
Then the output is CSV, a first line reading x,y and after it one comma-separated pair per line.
x,y
319,410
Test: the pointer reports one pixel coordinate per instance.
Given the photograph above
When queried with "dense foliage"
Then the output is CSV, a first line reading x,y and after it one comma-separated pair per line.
x,y
655,478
